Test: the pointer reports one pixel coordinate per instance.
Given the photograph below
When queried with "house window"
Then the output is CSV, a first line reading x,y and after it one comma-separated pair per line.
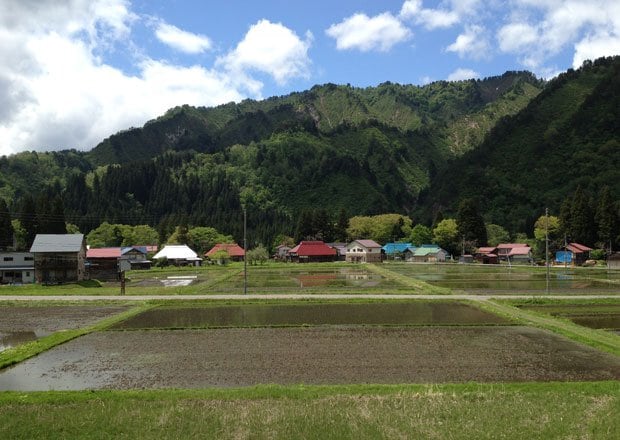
x,y
28,258
27,273
8,258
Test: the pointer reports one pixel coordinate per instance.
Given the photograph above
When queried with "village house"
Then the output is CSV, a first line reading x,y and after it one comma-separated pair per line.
x,y
573,254
486,255
613,261
518,253
363,251
107,263
429,253
59,258
178,255
16,267
281,252
395,251
341,250
134,258
311,252
233,250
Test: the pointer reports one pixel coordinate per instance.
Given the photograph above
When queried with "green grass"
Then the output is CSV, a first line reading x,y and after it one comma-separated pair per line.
x,y
22,352
476,411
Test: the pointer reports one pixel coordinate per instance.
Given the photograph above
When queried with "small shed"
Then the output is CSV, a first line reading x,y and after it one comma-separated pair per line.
x,y
574,254
613,261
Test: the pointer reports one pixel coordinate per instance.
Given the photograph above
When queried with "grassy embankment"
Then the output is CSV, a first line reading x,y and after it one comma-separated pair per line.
x,y
521,410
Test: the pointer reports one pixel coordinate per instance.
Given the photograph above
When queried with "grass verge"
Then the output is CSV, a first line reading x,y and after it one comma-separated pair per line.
x,y
24,351
523,410
599,339
417,285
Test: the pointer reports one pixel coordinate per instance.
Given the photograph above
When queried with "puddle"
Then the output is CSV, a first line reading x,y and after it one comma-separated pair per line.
x,y
413,313
179,281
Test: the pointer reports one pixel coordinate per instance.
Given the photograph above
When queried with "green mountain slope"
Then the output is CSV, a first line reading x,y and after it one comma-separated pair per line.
x,y
568,136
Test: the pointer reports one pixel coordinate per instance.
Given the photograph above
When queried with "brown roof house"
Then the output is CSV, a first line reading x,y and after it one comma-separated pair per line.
x,y
363,251
515,252
59,258
234,251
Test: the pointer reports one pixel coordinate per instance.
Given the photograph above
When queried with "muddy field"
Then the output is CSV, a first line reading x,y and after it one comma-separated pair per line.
x,y
336,355
23,324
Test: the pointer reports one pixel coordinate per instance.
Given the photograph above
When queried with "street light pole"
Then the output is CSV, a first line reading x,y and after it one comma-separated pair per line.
x,y
547,245
245,251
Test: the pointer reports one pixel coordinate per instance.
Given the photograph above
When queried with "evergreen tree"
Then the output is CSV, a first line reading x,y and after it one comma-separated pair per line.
x,y
27,217
305,225
340,232
566,217
470,223
322,225
607,221
6,227
582,219
56,223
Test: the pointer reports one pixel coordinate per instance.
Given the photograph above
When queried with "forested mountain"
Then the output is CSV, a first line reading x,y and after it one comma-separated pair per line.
x,y
567,137
393,148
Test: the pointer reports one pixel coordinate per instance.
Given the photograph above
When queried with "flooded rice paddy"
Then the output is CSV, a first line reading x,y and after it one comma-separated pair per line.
x,y
262,315
335,355
603,316
485,279
24,324
331,343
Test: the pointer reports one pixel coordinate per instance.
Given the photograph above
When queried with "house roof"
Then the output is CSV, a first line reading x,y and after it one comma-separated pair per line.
x,y
424,251
577,248
521,250
177,252
512,245
232,249
392,248
312,249
368,244
109,252
140,249
486,250
57,243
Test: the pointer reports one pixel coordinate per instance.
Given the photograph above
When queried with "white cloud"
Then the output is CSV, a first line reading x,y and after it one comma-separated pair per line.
x,y
429,18
592,27
182,40
365,33
57,92
461,74
472,43
270,48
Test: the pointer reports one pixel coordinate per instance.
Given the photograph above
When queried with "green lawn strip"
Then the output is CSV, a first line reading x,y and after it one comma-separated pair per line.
x,y
599,339
520,410
24,351
419,286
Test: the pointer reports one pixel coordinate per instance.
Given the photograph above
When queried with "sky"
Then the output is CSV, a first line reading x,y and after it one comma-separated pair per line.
x,y
74,72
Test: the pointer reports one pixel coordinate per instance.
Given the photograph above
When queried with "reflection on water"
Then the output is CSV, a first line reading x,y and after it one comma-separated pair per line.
x,y
413,313
11,339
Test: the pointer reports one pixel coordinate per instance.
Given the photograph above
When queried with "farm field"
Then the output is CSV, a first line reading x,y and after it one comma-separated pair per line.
x,y
301,368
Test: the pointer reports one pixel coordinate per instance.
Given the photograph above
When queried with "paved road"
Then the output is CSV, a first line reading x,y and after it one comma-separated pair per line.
x,y
284,296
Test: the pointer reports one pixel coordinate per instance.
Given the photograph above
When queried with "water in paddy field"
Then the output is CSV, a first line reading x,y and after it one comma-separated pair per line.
x,y
11,339
412,313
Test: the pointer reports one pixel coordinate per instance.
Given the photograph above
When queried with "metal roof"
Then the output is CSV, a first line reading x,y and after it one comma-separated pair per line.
x,y
57,243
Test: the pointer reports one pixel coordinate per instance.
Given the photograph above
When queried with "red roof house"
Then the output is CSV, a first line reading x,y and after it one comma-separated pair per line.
x,y
580,253
234,251
312,251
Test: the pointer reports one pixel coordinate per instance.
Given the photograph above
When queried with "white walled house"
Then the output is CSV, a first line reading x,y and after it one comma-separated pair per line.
x,y
16,267
363,251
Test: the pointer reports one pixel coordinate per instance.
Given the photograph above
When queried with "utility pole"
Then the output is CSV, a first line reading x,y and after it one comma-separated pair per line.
x,y
245,252
547,246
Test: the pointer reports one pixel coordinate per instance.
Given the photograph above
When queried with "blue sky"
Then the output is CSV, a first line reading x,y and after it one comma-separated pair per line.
x,y
77,71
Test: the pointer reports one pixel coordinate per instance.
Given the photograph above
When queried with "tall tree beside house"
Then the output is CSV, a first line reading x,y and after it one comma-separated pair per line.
x,y
446,235
607,219
56,222
340,230
322,225
6,227
577,219
470,223
305,226
27,217
496,234
420,235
